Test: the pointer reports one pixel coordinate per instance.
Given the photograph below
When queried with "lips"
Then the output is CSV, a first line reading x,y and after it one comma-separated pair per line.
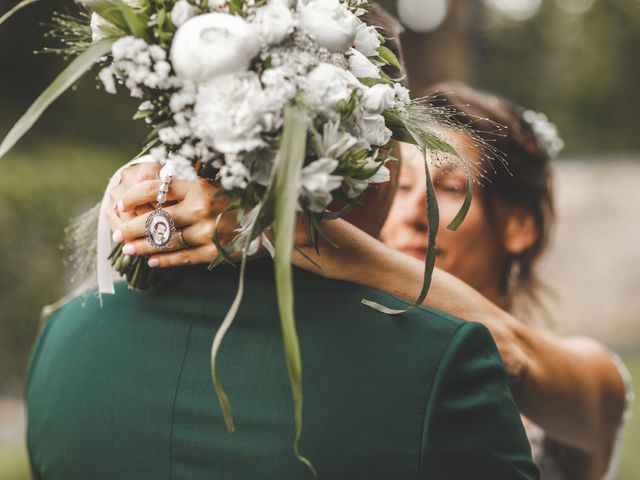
x,y
419,252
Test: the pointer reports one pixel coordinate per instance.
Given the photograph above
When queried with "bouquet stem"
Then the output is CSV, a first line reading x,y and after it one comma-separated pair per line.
x,y
135,269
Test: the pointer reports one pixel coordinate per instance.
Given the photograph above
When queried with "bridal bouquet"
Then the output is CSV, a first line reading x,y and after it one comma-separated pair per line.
x,y
287,104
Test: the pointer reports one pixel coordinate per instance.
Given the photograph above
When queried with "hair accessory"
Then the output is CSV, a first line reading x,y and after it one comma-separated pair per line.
x,y
545,132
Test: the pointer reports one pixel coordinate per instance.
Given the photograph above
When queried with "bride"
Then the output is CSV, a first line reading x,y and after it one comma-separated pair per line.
x,y
571,391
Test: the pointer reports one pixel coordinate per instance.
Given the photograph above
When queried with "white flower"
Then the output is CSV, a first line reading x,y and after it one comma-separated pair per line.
x,y
330,23
228,113
181,168
328,85
234,175
374,129
183,11
367,40
334,143
402,94
361,66
101,28
274,22
355,186
379,98
317,183
108,80
212,45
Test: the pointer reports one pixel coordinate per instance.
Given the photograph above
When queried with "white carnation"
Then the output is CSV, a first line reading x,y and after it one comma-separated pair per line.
x,y
274,22
228,113
183,11
328,85
379,98
212,45
367,40
330,23
361,66
317,183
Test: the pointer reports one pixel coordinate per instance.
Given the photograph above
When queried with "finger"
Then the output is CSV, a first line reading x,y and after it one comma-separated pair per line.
x,y
191,256
141,210
138,173
148,171
115,222
147,192
136,227
142,247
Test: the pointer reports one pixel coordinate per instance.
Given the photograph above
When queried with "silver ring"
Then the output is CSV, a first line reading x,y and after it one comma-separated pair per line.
x,y
182,243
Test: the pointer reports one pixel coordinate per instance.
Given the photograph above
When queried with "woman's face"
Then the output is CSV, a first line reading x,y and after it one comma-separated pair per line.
x,y
474,252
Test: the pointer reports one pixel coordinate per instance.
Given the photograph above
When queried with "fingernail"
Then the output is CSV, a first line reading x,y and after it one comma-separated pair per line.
x,y
154,262
117,236
129,249
121,205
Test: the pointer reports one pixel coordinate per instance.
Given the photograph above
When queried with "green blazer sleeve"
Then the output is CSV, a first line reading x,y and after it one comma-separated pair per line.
x,y
472,428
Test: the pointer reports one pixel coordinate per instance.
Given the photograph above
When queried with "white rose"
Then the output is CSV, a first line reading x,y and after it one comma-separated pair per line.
x,y
367,40
374,129
101,28
228,113
330,23
274,22
328,85
183,11
212,45
379,98
361,66
317,183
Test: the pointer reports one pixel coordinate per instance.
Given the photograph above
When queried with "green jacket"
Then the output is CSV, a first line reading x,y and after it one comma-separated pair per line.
x,y
124,391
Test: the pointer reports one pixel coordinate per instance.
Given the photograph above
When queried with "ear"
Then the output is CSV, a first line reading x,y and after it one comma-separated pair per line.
x,y
519,231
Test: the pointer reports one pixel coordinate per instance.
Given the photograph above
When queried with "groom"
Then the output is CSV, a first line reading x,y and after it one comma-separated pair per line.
x,y
123,391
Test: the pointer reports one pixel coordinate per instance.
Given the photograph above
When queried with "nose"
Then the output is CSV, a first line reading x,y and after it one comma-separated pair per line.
x,y
416,214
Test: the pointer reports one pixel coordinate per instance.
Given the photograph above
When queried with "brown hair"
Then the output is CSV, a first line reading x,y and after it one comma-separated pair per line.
x,y
374,207
390,28
523,179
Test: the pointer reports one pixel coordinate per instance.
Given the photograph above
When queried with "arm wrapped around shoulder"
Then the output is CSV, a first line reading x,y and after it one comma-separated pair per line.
x,y
472,428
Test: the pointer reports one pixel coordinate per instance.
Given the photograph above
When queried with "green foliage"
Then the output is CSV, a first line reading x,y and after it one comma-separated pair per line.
x,y
15,9
41,190
61,84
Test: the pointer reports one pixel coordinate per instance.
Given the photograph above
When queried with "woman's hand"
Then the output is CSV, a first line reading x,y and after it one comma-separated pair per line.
x,y
194,207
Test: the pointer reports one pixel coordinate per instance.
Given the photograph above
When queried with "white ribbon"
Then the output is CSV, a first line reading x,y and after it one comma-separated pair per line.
x,y
104,242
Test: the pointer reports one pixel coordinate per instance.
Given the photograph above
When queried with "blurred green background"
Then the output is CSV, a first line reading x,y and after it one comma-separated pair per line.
x,y
576,60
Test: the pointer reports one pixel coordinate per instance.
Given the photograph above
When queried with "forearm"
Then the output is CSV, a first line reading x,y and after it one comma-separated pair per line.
x,y
559,386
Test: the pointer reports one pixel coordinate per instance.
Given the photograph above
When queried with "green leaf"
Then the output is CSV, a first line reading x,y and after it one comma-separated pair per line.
x,y
433,219
225,405
15,9
66,79
389,57
130,20
462,213
288,168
